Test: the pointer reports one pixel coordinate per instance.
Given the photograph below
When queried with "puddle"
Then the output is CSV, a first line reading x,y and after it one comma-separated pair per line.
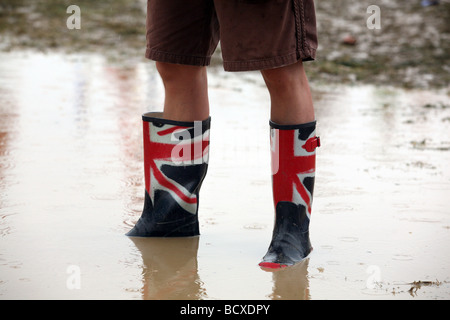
x,y
71,186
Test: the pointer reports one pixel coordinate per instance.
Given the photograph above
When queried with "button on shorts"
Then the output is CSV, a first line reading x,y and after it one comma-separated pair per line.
x,y
253,34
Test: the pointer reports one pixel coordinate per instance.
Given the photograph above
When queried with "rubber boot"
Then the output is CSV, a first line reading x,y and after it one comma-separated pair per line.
x,y
175,164
293,159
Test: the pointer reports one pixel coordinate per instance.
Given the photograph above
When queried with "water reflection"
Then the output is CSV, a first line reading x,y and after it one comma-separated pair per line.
x,y
9,111
170,269
291,283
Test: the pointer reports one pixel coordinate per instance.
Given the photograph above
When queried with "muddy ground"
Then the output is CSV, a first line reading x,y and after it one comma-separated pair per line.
x,y
71,186
411,49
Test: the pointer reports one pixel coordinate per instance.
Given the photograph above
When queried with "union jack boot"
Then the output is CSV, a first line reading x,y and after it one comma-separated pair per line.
x,y
175,164
293,159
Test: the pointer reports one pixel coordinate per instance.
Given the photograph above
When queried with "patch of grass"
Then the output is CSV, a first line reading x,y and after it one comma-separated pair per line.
x,y
105,25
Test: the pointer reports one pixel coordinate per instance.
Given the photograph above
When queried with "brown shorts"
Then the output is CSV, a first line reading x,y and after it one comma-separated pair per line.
x,y
253,34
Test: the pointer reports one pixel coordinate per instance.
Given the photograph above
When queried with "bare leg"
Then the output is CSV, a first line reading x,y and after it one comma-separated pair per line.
x,y
291,101
186,92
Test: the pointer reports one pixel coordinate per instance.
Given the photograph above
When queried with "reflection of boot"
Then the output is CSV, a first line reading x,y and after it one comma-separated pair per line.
x,y
293,171
175,160
170,268
291,283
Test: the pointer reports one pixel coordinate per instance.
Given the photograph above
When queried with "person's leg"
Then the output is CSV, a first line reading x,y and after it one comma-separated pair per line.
x,y
186,92
291,101
293,144
172,180
275,37
181,37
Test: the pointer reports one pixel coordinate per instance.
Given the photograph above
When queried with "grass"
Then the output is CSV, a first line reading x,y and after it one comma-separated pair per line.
x,y
105,25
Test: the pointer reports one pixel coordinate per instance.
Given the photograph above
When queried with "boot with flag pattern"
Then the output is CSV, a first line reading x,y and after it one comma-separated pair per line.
x,y
175,164
293,172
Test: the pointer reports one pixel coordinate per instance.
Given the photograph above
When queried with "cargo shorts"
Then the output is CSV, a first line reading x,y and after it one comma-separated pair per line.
x,y
253,34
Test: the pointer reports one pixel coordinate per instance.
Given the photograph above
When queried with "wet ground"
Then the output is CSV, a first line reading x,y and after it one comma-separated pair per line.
x,y
411,49
71,185
71,172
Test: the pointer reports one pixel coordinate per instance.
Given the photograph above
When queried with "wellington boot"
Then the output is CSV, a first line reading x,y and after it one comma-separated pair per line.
x,y
175,164
293,158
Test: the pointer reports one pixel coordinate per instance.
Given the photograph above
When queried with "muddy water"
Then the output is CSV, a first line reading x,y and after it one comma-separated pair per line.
x,y
71,185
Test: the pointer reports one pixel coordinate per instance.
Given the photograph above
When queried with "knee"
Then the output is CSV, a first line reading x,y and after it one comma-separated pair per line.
x,y
284,78
170,72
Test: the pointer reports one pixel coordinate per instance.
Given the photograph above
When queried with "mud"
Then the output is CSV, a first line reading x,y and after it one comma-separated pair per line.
x,y
71,184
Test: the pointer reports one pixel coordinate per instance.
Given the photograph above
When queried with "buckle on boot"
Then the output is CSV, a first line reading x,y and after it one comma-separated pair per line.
x,y
311,144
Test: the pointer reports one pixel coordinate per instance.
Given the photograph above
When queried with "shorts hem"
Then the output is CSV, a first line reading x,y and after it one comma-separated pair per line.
x,y
269,63
310,56
261,64
232,66
167,57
